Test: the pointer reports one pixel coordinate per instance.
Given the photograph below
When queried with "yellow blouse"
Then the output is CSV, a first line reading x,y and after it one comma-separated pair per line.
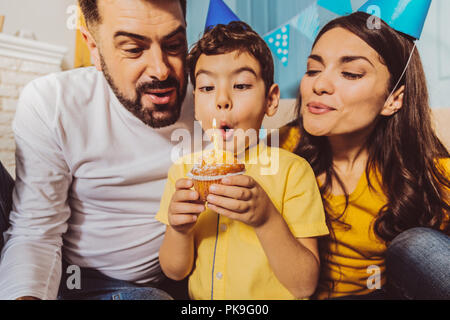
x,y
355,260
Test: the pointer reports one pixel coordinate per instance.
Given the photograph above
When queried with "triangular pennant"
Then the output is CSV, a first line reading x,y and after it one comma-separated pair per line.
x,y
278,41
219,13
307,22
340,7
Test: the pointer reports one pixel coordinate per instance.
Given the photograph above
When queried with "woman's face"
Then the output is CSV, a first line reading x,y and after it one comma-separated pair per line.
x,y
345,86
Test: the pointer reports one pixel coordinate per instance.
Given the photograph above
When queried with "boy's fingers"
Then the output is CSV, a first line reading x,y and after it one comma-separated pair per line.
x,y
225,212
182,219
183,195
178,208
228,203
240,180
239,193
184,183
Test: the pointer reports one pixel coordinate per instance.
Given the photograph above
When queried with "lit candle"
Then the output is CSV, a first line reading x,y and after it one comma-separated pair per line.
x,y
215,139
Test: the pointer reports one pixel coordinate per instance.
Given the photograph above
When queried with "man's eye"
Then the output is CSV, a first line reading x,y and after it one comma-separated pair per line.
x,y
352,76
134,50
176,47
242,86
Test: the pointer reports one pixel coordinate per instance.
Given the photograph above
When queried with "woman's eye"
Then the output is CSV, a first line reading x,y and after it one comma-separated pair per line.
x,y
352,76
242,86
312,73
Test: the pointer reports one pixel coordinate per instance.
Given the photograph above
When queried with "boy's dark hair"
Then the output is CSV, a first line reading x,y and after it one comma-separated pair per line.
x,y
92,16
224,39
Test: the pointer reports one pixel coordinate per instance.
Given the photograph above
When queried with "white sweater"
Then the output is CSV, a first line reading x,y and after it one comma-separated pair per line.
x,y
90,176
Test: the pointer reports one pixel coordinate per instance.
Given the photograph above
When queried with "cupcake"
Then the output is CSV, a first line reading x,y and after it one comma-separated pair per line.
x,y
211,168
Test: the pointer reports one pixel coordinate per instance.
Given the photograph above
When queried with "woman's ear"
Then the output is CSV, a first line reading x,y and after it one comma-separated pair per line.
x,y
273,100
394,103
92,46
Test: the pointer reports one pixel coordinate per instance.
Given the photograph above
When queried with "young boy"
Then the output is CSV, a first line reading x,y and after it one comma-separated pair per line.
x,y
257,237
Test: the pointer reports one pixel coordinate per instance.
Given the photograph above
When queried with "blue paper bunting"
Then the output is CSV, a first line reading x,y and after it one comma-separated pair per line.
x,y
307,22
340,7
278,41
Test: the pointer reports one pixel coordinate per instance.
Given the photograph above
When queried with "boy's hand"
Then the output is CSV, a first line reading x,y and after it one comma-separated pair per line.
x,y
183,210
241,198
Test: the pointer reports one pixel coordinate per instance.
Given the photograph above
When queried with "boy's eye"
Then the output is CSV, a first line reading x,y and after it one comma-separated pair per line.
x,y
242,86
206,88
352,76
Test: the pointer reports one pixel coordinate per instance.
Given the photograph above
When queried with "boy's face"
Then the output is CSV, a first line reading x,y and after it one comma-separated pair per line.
x,y
230,88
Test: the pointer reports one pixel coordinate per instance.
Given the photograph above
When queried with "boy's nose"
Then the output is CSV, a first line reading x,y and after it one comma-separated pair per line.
x,y
223,101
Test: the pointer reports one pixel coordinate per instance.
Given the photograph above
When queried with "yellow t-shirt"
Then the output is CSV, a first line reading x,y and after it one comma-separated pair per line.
x,y
230,262
356,259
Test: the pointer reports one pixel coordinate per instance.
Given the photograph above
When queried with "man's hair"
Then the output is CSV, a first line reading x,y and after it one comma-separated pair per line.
x,y
238,36
92,16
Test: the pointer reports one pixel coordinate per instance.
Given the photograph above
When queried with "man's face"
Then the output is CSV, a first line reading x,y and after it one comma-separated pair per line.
x,y
142,51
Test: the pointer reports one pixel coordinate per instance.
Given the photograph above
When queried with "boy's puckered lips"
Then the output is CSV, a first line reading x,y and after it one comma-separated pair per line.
x,y
226,130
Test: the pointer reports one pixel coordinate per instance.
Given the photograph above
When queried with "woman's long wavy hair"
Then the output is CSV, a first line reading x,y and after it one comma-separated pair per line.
x,y
403,148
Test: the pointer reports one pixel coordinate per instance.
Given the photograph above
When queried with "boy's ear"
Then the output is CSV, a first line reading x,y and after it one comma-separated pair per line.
x,y
92,45
273,100
394,103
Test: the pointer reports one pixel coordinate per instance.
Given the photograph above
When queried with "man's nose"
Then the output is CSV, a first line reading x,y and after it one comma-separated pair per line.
x,y
223,100
323,84
158,66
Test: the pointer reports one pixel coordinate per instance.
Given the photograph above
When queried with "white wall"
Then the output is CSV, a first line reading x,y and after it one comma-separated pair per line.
x,y
434,48
47,19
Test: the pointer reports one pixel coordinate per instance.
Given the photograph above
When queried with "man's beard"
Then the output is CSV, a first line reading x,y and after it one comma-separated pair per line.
x,y
147,116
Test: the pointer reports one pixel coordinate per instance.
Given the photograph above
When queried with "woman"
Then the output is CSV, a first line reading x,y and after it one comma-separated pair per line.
x,y
365,128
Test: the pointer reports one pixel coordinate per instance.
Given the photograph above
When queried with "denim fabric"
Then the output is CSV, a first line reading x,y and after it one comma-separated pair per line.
x,y
6,188
96,286
418,264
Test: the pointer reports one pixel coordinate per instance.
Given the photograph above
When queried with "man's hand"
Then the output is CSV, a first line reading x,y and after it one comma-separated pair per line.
x,y
28,298
241,198
183,209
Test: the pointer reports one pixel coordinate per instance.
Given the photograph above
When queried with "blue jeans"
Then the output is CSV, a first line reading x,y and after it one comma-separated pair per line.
x,y
94,285
418,265
6,188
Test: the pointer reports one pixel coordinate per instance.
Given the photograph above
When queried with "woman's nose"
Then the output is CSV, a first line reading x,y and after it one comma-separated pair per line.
x,y
323,84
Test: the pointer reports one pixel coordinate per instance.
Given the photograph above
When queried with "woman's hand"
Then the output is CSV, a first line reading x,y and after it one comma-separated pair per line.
x,y
241,198
183,209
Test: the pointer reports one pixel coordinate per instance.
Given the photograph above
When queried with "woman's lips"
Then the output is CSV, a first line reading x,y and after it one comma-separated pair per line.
x,y
319,108
160,96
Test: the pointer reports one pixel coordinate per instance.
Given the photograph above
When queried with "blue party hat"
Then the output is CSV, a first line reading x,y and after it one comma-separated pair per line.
x,y
407,16
219,13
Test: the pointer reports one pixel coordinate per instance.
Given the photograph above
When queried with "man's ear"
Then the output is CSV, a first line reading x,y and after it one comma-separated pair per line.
x,y
93,48
394,103
273,100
